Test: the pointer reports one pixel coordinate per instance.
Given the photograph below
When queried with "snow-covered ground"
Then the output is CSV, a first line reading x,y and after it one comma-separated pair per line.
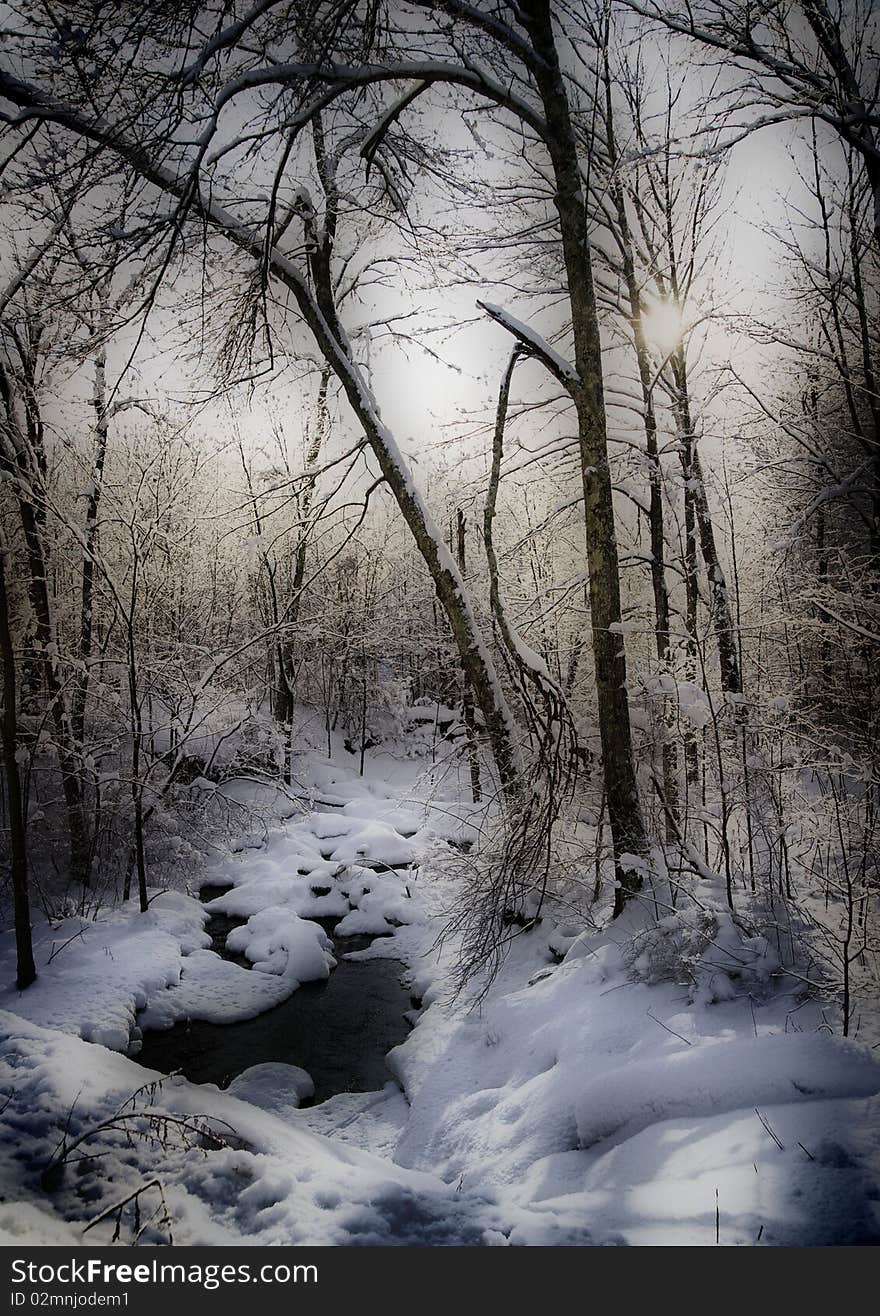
x,y
576,1102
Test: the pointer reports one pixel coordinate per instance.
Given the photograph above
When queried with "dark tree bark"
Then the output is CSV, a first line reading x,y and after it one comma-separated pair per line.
x,y
22,458
695,491
624,807
467,697
26,971
623,236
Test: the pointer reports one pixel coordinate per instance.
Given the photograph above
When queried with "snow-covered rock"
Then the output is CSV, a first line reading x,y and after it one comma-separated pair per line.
x,y
273,1086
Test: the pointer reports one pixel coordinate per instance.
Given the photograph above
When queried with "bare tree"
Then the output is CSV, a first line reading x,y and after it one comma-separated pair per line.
x,y
810,59
317,306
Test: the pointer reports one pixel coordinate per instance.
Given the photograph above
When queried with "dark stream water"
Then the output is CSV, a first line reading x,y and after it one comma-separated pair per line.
x,y
339,1030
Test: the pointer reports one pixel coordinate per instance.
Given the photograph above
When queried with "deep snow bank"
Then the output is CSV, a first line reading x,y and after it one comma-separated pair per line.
x,y
106,979
263,1181
595,1101
591,1096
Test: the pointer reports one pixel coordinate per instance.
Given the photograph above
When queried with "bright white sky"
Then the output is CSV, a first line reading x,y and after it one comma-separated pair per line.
x,y
421,396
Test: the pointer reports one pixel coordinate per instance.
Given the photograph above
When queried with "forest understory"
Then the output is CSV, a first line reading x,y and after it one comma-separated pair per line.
x,y
439,622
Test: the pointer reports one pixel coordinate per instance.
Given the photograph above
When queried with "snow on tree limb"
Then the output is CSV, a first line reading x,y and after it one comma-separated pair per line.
x,y
491,24
373,140
336,350
534,344
337,79
873,636
222,40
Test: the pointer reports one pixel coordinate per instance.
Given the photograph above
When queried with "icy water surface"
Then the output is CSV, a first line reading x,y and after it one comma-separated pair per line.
x,y
339,1030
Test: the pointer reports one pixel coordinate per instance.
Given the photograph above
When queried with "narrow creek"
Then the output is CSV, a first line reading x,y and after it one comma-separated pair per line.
x,y
339,1030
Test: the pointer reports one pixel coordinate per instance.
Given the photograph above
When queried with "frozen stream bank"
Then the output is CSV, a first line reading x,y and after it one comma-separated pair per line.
x,y
339,1030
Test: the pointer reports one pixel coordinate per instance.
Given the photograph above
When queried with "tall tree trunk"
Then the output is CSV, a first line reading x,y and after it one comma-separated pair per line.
x,y
87,594
867,339
695,485
22,459
71,779
624,807
692,600
26,971
137,737
656,527
467,698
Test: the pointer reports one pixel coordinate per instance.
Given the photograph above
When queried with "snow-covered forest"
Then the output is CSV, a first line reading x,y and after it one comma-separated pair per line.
x,y
439,622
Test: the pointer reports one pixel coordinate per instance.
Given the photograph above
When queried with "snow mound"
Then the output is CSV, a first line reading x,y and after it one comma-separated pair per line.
x,y
295,893
373,842
265,1182
218,992
24,1224
273,1086
94,975
722,1076
380,902
589,1097
280,942
285,950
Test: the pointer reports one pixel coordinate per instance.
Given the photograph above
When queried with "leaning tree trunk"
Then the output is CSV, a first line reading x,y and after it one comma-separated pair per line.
x,y
473,648
476,661
320,313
